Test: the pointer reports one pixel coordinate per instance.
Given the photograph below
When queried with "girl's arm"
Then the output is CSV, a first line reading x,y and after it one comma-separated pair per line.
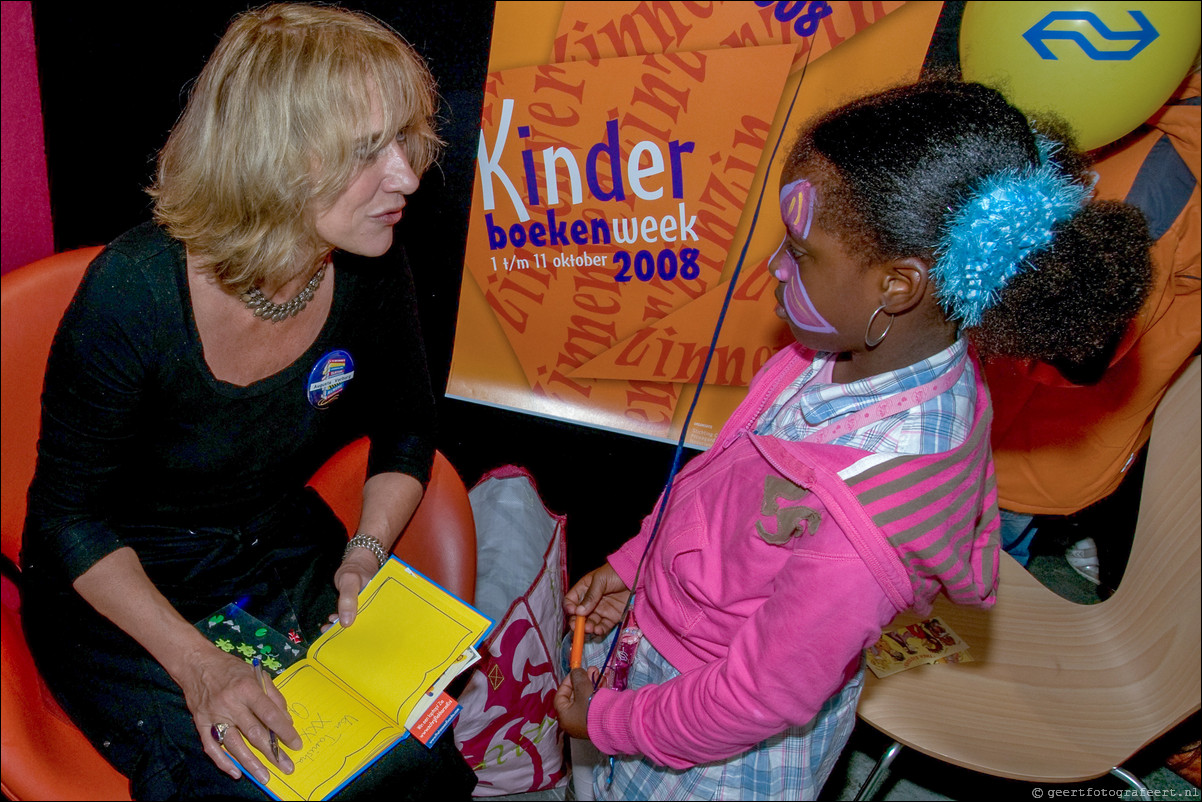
x,y
784,662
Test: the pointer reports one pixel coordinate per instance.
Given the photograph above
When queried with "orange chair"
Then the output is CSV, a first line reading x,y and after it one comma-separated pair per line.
x,y
44,755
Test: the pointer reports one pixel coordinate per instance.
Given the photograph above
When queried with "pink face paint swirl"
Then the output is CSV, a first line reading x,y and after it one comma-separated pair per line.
x,y
797,303
797,211
797,207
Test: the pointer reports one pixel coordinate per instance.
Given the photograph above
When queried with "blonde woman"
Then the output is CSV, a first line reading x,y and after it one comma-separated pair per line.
x,y
211,361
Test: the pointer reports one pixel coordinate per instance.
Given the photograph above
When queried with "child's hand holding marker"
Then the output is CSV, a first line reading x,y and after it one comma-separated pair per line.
x,y
572,698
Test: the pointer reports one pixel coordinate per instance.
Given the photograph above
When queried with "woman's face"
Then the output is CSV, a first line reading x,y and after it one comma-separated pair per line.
x,y
824,294
361,218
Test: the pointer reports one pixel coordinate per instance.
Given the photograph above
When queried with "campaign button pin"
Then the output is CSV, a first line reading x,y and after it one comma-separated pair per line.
x,y
328,377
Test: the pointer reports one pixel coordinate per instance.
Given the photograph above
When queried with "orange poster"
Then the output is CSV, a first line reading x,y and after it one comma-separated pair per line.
x,y
627,168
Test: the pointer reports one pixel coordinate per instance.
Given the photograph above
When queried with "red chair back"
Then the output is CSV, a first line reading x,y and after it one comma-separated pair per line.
x,y
34,298
44,756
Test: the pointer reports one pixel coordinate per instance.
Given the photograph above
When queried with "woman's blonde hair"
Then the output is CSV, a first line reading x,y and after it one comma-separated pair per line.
x,y
277,123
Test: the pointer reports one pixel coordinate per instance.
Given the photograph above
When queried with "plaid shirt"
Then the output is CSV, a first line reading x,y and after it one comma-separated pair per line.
x,y
812,401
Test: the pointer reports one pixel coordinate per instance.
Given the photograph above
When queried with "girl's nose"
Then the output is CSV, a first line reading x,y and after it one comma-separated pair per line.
x,y
781,264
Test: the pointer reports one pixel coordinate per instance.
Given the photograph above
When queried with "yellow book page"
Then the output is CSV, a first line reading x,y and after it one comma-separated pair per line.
x,y
408,633
340,733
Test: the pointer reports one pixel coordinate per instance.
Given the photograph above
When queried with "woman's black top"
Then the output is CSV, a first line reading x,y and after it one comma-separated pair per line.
x,y
137,432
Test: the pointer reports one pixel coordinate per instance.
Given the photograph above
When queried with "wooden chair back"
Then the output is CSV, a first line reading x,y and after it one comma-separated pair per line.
x,y
1062,692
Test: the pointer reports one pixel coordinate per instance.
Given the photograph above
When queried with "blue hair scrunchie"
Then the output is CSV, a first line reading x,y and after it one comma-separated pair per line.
x,y
987,240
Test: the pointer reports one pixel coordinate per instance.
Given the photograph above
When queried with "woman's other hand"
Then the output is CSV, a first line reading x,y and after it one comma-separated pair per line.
x,y
600,596
389,500
357,569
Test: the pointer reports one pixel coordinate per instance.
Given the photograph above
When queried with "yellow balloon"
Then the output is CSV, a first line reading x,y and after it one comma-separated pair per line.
x,y
1103,67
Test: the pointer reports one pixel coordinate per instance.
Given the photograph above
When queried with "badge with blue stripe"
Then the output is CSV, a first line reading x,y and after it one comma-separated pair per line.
x,y
328,378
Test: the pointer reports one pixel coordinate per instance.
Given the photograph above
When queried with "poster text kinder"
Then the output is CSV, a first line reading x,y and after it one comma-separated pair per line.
x,y
646,182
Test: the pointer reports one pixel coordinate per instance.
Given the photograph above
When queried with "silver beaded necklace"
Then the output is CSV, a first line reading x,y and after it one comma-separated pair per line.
x,y
258,303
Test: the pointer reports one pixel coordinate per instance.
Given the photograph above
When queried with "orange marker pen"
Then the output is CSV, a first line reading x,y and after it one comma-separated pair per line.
x,y
577,657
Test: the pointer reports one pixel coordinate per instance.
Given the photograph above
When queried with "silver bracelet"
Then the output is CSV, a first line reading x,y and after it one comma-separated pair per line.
x,y
366,541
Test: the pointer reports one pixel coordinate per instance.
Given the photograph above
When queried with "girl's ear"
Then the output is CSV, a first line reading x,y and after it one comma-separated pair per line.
x,y
904,283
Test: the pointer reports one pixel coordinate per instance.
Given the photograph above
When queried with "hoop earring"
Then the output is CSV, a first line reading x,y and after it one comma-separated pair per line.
x,y
884,334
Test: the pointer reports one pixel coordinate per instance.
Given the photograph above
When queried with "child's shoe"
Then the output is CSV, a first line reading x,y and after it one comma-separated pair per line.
x,y
1082,556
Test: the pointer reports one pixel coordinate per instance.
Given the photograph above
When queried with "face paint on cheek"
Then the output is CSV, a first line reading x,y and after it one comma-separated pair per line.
x,y
797,207
800,308
797,200
797,303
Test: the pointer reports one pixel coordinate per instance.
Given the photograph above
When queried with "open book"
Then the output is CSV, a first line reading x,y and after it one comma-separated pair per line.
x,y
351,696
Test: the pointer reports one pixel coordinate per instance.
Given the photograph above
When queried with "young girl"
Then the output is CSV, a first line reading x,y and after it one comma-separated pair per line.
x,y
855,481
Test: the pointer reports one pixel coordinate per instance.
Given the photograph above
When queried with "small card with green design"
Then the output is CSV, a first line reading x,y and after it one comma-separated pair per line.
x,y
236,631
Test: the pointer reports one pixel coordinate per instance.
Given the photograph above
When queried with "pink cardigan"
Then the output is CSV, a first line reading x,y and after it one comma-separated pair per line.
x,y
778,563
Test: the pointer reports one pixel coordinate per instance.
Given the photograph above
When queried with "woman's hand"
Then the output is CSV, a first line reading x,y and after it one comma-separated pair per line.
x,y
389,500
572,700
357,569
600,596
220,688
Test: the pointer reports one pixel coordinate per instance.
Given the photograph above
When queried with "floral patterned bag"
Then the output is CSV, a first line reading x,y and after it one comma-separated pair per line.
x,y
507,730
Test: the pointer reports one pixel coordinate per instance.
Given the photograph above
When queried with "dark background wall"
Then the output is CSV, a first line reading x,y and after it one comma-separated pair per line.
x,y
115,76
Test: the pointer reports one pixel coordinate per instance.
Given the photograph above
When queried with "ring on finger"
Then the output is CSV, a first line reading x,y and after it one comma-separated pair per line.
x,y
218,732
